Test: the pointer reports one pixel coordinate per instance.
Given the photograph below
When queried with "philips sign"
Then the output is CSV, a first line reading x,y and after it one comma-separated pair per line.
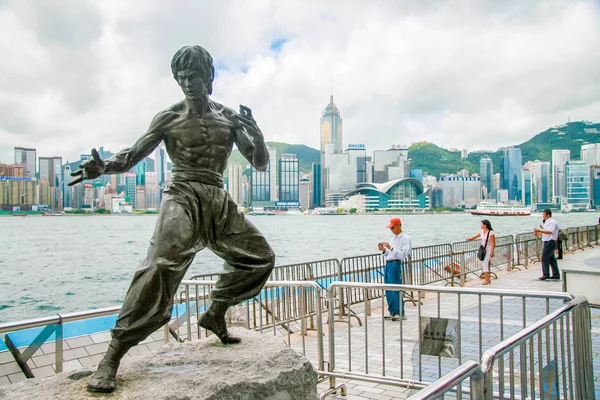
x,y
356,147
14,178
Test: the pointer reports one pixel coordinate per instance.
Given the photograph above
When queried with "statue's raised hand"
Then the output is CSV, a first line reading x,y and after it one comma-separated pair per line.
x,y
246,121
91,168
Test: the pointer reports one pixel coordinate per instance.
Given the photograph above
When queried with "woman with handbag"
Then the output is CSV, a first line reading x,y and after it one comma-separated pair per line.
x,y
486,250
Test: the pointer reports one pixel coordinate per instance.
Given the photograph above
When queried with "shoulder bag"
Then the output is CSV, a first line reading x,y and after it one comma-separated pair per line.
x,y
482,249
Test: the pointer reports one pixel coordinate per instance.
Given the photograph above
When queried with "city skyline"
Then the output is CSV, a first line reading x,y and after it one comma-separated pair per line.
x,y
450,74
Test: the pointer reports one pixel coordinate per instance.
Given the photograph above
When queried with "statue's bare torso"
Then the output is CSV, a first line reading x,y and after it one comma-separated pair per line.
x,y
195,142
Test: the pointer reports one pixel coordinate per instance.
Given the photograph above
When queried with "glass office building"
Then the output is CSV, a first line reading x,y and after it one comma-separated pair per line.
x,y
289,178
578,185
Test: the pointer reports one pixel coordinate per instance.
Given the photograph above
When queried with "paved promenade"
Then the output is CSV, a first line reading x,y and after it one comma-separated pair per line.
x,y
407,365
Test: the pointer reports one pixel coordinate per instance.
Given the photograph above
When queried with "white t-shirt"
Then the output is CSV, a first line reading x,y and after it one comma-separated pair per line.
x,y
484,236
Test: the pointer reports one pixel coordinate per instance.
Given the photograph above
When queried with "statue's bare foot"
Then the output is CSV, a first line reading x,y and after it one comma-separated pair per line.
x,y
214,321
105,378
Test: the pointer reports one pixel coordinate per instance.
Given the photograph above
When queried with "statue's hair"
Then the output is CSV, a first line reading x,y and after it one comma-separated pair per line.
x,y
195,58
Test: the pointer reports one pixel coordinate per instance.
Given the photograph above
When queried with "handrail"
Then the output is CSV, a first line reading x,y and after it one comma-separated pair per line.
x,y
490,355
58,319
442,386
440,289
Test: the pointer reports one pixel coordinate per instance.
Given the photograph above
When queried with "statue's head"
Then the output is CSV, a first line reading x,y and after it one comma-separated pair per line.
x,y
193,69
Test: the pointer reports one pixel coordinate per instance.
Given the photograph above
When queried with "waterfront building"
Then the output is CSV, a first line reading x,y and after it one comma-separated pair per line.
x,y
289,180
304,193
370,165
486,172
14,170
595,185
460,191
399,194
541,183
130,187
262,183
526,188
152,191
437,198
140,173
235,185
331,134
50,169
590,153
89,197
559,185
512,162
28,157
390,164
317,186
67,193
357,154
17,193
160,165
341,175
578,185
140,197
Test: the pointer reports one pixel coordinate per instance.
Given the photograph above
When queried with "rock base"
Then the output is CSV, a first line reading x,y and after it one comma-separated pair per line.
x,y
262,367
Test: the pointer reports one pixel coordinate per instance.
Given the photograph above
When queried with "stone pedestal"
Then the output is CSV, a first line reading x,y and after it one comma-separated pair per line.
x,y
262,367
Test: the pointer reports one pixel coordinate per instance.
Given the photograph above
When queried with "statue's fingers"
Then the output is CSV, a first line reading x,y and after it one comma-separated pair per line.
x,y
77,173
96,156
76,181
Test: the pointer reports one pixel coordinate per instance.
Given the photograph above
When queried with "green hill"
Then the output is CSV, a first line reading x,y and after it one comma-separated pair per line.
x,y
306,156
435,160
569,136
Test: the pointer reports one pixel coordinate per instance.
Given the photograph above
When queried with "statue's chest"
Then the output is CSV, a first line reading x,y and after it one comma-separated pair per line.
x,y
202,132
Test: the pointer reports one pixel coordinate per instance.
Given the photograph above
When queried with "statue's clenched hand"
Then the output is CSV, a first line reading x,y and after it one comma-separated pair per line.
x,y
90,169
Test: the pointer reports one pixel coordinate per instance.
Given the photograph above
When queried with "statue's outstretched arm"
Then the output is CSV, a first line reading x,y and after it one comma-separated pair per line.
x,y
127,158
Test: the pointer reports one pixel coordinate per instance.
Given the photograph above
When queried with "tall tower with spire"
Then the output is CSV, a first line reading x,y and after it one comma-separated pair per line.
x,y
331,140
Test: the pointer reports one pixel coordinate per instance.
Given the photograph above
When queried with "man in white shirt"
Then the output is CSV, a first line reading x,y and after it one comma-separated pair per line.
x,y
394,254
549,235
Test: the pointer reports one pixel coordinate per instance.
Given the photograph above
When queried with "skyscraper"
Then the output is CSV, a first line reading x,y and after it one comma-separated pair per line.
x,y
540,177
130,188
390,164
590,153
486,172
27,157
512,162
236,186
160,164
262,183
578,185
331,133
317,186
289,179
50,170
559,184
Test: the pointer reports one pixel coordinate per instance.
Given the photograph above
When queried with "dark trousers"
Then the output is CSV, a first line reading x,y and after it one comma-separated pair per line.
x,y
393,274
549,259
560,249
193,216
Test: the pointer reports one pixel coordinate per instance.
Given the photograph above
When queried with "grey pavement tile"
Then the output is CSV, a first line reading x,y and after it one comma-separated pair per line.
x,y
79,341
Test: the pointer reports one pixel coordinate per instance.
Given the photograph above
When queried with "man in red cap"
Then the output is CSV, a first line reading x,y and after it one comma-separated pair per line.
x,y
394,254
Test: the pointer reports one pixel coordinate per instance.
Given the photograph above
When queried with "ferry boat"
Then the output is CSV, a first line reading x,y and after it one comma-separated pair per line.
x,y
501,210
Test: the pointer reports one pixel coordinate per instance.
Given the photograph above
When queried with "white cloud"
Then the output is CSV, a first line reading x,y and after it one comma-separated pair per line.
x,y
461,74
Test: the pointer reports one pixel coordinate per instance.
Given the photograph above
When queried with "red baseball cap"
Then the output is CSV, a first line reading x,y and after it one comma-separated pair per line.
x,y
394,222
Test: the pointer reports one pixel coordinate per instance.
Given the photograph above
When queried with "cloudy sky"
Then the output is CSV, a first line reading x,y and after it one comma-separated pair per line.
x,y
468,74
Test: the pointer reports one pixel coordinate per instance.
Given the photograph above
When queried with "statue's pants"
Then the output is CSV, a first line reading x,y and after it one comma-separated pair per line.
x,y
193,216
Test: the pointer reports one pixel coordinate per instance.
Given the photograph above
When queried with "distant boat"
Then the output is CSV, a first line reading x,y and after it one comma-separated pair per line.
x,y
501,210
327,211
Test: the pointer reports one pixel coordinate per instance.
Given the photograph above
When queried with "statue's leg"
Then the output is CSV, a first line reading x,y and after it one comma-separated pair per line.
x,y
250,259
149,300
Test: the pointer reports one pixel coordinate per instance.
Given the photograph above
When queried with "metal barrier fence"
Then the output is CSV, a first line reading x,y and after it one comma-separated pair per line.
x,y
528,249
397,354
552,358
260,312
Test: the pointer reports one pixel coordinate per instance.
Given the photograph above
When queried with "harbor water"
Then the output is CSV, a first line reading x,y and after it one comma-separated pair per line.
x,y
62,264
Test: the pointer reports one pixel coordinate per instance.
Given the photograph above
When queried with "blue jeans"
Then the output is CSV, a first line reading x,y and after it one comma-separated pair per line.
x,y
393,274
